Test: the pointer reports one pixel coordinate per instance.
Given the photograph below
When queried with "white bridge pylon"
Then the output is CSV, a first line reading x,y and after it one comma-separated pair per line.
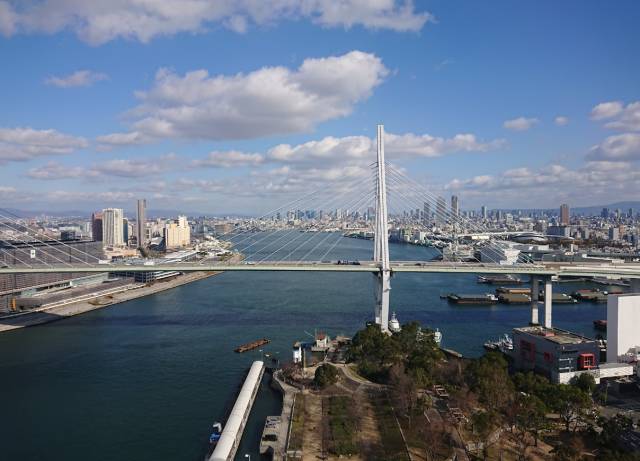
x,y
382,279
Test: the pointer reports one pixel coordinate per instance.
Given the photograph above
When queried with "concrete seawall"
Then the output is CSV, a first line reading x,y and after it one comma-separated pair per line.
x,y
52,314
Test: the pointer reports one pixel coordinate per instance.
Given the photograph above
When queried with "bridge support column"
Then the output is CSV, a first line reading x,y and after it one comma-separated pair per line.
x,y
548,302
535,289
635,285
381,241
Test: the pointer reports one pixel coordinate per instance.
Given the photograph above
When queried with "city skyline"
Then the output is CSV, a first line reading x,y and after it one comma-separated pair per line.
x,y
183,123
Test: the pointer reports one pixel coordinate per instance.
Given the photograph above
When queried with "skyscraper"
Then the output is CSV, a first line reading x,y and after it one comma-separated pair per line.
x,y
112,227
564,214
426,213
141,221
455,207
125,231
96,226
483,211
441,210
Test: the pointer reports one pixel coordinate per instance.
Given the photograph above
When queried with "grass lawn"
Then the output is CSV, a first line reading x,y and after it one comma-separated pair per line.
x,y
297,423
343,429
394,448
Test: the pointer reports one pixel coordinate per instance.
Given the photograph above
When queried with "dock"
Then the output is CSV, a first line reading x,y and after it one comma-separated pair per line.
x,y
269,443
234,427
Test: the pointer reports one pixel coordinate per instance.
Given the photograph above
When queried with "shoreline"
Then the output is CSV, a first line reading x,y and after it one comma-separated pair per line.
x,y
128,293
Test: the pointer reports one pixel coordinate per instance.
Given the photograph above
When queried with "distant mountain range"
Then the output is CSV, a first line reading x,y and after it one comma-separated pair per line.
x,y
583,210
624,206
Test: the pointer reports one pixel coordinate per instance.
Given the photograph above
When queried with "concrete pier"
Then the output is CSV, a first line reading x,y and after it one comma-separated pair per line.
x,y
534,301
234,427
548,302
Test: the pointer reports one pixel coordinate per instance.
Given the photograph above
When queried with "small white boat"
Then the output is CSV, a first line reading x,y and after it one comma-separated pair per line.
x,y
437,336
394,324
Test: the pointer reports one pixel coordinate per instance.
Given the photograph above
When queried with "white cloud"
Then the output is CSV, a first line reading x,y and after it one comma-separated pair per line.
x,y
621,147
326,150
8,19
520,123
595,182
106,197
98,22
444,63
561,120
55,171
113,140
122,168
362,148
621,117
78,78
268,101
134,168
21,144
606,110
408,145
7,192
229,159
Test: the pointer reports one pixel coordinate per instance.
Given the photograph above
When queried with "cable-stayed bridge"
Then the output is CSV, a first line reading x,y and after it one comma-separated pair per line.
x,y
374,203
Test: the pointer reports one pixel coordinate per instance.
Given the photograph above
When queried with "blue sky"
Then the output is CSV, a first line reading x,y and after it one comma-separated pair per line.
x,y
231,107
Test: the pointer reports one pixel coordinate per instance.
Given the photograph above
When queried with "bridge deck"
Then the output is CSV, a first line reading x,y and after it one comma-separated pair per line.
x,y
619,270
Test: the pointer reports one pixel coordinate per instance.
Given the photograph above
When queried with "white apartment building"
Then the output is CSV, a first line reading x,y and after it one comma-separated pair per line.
x,y
113,227
177,233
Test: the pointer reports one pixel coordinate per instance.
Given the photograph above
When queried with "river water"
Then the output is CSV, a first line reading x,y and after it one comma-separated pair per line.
x,y
145,379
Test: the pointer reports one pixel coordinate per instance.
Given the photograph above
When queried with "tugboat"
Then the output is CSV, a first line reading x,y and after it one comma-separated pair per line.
x,y
504,344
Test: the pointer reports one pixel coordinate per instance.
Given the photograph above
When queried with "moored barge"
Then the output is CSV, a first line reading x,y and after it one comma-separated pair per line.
x,y
252,345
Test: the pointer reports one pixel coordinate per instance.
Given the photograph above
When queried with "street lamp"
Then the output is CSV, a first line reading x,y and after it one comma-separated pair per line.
x,y
248,456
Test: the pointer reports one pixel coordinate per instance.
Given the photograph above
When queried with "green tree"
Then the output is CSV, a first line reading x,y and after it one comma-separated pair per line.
x,y
489,378
585,381
571,403
482,423
612,429
325,375
570,451
529,416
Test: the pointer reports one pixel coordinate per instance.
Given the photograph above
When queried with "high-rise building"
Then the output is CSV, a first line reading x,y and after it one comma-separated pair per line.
x,y
141,223
96,226
125,231
483,212
113,227
564,214
177,233
614,233
455,207
426,213
441,210
604,213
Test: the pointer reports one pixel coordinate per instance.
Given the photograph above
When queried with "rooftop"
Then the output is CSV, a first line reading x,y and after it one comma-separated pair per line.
x,y
555,335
